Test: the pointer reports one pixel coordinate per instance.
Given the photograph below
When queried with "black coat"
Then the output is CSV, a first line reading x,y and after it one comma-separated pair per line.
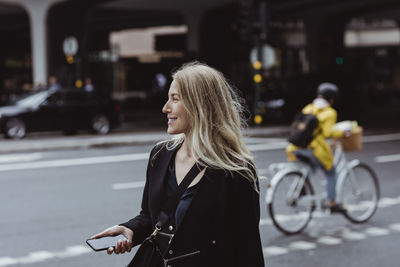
x,y
222,221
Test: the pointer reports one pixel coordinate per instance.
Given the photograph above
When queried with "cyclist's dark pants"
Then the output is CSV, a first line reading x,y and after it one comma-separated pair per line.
x,y
308,156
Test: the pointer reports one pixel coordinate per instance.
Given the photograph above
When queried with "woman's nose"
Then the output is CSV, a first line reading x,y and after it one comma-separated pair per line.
x,y
166,109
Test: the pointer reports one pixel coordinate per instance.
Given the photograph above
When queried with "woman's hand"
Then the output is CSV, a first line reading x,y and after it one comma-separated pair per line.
x,y
122,246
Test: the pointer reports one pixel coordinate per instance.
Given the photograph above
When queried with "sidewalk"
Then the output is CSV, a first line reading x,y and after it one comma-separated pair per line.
x,y
56,141
127,135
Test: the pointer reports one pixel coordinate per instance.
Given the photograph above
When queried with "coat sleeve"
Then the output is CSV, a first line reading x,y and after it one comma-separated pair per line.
x,y
141,224
246,219
328,123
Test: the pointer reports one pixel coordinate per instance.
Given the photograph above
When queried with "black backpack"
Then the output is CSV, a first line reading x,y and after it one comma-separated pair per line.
x,y
302,129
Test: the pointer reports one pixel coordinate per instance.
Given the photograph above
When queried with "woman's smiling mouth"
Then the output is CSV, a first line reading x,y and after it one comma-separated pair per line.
x,y
171,120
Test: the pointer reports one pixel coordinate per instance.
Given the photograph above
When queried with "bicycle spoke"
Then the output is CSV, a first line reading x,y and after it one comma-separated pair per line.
x,y
360,193
292,204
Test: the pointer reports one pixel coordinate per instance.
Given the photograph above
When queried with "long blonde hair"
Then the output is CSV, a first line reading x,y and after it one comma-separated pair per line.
x,y
216,119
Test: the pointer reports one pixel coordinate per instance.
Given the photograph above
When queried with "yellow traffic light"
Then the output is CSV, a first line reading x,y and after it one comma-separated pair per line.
x,y
258,119
257,78
78,83
257,65
70,59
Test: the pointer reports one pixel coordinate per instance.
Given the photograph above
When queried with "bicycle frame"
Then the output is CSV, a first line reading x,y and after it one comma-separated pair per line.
x,y
291,186
343,168
281,170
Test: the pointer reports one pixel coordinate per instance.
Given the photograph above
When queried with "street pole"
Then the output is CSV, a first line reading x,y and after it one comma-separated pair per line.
x,y
260,36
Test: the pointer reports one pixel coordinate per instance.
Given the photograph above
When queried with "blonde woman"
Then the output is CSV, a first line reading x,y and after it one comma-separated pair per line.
x,y
216,222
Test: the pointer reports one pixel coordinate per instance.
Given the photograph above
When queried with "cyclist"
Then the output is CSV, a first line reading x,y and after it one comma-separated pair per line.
x,y
318,153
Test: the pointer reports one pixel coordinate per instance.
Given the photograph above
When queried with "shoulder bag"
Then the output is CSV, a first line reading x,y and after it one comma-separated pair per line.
x,y
149,254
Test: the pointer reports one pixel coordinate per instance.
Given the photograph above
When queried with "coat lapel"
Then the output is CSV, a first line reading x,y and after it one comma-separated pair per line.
x,y
158,178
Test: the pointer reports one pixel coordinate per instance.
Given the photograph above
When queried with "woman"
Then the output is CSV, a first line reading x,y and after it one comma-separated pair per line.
x,y
216,221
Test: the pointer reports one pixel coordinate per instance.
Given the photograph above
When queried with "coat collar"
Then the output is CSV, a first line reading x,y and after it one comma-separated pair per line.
x,y
159,173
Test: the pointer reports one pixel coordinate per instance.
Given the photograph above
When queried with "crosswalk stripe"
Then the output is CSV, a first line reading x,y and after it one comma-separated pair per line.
x,y
7,261
133,185
387,158
274,250
328,240
40,256
354,236
395,227
37,256
265,222
387,202
302,245
376,231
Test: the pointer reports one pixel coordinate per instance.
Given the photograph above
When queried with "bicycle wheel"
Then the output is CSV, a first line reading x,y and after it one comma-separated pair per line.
x,y
291,214
360,193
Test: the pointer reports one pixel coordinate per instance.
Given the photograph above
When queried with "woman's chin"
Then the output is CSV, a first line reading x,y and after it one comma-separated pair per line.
x,y
170,131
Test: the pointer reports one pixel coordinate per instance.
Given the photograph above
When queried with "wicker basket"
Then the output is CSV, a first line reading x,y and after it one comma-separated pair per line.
x,y
354,141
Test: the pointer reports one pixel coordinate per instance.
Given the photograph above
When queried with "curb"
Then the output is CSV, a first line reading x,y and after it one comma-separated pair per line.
x,y
45,142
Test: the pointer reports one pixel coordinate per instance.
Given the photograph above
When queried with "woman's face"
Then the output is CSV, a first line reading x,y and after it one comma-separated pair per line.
x,y
178,117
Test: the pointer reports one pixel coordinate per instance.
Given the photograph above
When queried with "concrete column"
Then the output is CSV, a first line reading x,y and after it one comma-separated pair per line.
x,y
313,33
193,18
37,11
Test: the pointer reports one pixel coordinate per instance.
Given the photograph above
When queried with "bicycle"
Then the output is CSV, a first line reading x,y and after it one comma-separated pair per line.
x,y
291,198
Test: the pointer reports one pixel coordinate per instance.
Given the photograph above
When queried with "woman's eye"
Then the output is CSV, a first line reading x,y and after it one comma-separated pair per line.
x,y
175,99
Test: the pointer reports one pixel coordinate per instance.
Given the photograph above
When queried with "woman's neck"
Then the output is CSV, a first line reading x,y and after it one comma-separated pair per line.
x,y
185,151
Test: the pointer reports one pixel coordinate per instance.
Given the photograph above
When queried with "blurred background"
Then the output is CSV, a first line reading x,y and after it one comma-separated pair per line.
x,y
105,66
129,48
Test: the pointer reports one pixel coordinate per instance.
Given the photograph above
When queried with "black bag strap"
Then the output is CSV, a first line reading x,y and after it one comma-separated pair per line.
x,y
173,201
315,112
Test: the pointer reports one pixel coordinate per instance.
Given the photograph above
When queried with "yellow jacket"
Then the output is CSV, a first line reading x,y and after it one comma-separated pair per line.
x,y
327,117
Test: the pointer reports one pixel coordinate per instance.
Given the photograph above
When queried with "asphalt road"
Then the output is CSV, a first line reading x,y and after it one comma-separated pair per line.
x,y
50,202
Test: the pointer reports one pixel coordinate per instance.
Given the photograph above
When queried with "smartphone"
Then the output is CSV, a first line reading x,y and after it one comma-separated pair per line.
x,y
104,243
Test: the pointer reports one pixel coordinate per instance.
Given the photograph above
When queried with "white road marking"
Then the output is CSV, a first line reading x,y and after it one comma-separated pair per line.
x,y
37,256
302,245
72,251
271,145
133,185
387,202
255,140
273,251
377,231
265,222
20,157
381,138
262,177
387,158
282,143
7,261
40,256
267,146
354,236
328,240
263,172
74,162
395,227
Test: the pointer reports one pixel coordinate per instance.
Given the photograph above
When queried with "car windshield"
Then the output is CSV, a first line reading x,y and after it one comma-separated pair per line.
x,y
32,99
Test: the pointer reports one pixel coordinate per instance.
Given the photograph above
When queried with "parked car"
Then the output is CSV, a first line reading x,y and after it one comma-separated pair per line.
x,y
68,110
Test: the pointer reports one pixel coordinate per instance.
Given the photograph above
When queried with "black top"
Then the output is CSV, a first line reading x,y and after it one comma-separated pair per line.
x,y
186,198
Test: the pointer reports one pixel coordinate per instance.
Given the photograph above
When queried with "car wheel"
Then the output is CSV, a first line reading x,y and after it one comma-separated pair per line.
x,y
100,124
15,129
